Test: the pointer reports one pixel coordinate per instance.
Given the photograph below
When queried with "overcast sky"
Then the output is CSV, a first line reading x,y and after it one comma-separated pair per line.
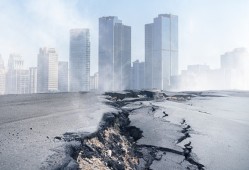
x,y
207,28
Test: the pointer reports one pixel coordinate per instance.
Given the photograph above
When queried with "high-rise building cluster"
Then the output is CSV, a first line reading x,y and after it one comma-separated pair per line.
x,y
232,74
50,75
47,77
17,77
161,55
158,70
114,54
116,71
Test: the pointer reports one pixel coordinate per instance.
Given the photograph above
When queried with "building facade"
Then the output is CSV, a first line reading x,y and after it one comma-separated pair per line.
x,y
114,54
138,75
17,78
79,60
161,51
63,76
235,67
47,70
33,79
2,76
94,82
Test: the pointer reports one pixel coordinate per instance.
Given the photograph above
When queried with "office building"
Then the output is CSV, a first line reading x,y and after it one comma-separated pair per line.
x,y
235,67
94,81
33,79
63,76
114,54
17,78
24,82
79,60
161,51
138,75
47,70
236,59
2,76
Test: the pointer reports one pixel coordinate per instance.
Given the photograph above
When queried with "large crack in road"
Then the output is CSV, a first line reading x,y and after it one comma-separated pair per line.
x,y
114,145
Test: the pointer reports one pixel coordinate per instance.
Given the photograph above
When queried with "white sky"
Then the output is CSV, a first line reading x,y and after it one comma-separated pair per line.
x,y
207,28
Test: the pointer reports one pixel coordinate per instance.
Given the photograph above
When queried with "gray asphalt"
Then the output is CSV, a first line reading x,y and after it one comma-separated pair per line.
x,y
29,123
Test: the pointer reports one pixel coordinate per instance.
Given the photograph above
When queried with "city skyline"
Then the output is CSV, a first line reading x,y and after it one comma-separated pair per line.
x,y
198,43
122,84
231,75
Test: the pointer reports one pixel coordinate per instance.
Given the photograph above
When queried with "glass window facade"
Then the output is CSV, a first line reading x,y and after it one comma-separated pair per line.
x,y
114,54
79,60
161,51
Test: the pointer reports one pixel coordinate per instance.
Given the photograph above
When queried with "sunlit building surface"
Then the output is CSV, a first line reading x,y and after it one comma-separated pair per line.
x,y
114,54
161,51
79,60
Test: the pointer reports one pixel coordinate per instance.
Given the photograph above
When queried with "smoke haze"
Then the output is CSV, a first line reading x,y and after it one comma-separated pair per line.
x,y
207,28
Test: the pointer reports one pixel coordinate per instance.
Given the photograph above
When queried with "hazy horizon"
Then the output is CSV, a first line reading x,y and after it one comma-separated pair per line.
x,y
207,29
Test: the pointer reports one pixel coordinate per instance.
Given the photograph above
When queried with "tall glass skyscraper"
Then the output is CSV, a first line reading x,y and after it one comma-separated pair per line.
x,y
161,51
79,60
114,54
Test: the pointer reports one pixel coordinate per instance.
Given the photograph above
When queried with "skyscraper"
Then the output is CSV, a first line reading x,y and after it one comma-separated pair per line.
x,y
33,79
63,76
2,76
114,54
17,78
161,51
47,70
79,60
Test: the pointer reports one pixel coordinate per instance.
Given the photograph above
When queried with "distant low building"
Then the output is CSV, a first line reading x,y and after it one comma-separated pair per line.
x,y
194,78
235,67
138,75
94,81
233,74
